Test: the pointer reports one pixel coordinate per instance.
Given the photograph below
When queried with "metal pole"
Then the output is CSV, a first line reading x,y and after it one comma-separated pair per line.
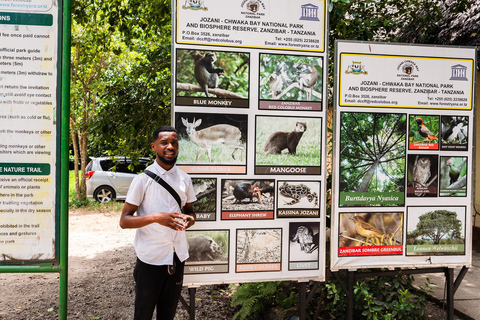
x,y
303,300
450,292
66,42
350,297
192,292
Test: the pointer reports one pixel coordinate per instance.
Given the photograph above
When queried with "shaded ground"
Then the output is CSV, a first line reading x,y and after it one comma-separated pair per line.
x,y
101,284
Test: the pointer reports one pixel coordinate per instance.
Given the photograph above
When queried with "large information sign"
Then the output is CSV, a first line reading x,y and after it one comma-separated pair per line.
x,y
28,144
250,108
403,142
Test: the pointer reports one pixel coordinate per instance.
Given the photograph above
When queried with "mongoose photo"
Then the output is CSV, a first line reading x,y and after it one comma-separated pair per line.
x,y
279,140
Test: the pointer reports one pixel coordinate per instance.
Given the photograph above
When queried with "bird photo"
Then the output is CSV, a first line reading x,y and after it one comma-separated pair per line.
x,y
247,195
453,176
454,133
371,229
424,131
422,175
290,78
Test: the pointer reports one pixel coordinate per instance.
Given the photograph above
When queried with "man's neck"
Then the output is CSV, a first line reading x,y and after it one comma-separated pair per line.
x,y
164,165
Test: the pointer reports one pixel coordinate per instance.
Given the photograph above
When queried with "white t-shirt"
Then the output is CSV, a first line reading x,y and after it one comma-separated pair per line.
x,y
154,243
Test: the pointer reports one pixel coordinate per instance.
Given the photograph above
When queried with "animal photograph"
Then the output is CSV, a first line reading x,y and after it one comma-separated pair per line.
x,y
290,78
298,194
212,74
207,246
304,241
371,229
454,133
248,195
446,236
372,159
453,176
259,245
422,175
219,139
288,141
205,191
424,132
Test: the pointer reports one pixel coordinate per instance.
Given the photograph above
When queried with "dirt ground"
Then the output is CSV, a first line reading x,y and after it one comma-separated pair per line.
x,y
101,286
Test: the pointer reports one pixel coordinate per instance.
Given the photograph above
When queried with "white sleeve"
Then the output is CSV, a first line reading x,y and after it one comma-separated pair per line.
x,y
136,192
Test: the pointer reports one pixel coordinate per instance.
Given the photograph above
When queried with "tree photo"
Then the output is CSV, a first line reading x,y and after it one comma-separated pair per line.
x,y
435,231
372,159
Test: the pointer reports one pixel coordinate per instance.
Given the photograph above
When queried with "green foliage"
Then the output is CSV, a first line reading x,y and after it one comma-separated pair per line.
x,y
257,298
378,298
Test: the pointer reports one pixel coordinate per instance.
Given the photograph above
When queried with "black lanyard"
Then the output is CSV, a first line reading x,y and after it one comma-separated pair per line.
x,y
165,185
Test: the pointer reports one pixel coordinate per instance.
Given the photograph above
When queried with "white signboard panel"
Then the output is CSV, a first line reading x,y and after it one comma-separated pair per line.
x,y
28,102
252,122
402,175
406,81
283,24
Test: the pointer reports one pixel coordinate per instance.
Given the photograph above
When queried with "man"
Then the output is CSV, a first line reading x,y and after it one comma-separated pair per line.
x,y
160,241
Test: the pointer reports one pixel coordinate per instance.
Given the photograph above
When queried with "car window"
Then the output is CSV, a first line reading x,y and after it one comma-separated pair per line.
x,y
123,167
140,167
106,164
89,166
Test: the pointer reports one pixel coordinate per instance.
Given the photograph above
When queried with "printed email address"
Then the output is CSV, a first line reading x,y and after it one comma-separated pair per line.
x,y
368,101
218,40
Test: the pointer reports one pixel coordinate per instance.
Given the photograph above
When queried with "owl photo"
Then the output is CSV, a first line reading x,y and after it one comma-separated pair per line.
x,y
422,175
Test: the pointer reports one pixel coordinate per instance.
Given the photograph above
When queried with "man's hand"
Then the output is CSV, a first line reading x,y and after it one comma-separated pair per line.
x,y
175,221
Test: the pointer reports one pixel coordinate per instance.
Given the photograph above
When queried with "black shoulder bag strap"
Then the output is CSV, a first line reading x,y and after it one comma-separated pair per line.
x,y
165,185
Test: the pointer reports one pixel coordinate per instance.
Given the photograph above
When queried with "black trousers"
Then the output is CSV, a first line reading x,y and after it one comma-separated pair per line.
x,y
155,287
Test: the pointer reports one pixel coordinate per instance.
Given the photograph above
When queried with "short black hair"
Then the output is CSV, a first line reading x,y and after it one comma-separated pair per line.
x,y
162,129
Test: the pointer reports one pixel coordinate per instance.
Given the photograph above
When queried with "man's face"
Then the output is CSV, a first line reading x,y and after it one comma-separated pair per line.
x,y
166,148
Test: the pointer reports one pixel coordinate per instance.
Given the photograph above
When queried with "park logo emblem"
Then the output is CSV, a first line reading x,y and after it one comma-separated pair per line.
x,y
356,68
195,5
407,69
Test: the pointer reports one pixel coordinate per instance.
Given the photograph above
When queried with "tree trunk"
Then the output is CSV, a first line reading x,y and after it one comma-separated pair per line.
x,y
79,142
83,143
75,164
367,178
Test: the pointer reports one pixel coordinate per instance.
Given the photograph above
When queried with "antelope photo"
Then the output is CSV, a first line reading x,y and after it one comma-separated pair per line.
x,y
214,135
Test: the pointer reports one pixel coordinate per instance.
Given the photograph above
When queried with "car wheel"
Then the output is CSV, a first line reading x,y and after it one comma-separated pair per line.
x,y
104,194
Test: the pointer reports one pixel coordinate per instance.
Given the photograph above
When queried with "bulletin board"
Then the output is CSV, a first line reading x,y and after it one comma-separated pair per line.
x,y
403,155
252,134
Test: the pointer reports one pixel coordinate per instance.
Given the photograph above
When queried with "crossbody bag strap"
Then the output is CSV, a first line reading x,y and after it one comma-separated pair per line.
x,y
165,185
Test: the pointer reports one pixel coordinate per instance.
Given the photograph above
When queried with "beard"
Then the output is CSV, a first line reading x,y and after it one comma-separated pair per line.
x,y
167,162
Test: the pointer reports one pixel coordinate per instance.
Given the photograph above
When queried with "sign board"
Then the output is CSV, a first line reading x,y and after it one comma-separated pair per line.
x,y
29,90
403,160
249,104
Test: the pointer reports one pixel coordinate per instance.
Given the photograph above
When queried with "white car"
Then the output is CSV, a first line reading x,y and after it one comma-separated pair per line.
x,y
109,178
